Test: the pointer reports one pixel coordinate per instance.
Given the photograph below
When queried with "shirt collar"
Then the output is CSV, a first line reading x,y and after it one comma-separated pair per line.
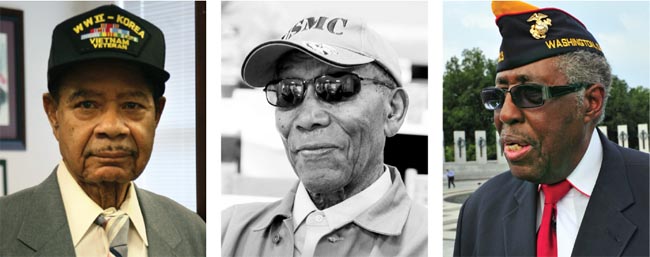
x,y
387,216
302,206
131,206
86,210
583,178
343,212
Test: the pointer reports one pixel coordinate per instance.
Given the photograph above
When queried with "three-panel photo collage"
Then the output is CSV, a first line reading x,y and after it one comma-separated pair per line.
x,y
324,128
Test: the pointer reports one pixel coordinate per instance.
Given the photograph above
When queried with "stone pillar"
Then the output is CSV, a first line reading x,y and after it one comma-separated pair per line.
x,y
622,135
480,142
603,129
644,143
460,146
500,157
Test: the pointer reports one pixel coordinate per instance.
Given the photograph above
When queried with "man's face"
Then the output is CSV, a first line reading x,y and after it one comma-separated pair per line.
x,y
333,146
542,144
105,122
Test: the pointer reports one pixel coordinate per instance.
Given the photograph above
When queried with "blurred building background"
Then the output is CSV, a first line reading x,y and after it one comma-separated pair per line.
x,y
254,164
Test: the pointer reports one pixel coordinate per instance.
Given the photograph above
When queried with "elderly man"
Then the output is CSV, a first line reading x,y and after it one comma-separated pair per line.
x,y
570,191
336,88
106,81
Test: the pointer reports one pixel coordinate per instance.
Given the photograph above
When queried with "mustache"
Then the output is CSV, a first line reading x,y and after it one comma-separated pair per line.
x,y
516,136
111,148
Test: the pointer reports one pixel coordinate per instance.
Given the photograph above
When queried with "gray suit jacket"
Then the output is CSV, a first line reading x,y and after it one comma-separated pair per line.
x,y
33,223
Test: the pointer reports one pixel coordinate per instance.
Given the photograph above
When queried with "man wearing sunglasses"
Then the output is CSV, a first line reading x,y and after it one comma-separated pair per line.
x,y
335,85
570,191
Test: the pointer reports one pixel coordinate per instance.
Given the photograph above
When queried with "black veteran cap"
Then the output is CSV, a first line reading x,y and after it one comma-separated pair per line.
x,y
108,32
531,34
338,41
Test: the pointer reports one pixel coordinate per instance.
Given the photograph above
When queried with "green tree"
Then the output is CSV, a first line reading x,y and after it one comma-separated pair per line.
x,y
462,108
626,106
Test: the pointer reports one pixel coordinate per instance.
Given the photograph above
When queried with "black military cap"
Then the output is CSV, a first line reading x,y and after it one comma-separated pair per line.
x,y
108,32
531,34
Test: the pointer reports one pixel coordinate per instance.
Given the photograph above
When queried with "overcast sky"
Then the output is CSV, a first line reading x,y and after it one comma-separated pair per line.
x,y
621,28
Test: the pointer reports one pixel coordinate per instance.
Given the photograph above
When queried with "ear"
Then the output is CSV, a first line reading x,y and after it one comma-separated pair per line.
x,y
50,106
159,109
594,102
396,114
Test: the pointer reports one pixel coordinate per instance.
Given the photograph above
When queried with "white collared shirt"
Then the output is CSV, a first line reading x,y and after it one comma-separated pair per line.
x,y
88,238
336,216
571,208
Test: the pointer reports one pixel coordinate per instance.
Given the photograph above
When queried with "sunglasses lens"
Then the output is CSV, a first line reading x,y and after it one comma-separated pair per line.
x,y
285,93
492,98
526,96
329,88
337,87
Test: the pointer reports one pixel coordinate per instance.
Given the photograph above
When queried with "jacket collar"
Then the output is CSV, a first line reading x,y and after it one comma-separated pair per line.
x,y
162,234
519,223
46,234
605,229
279,212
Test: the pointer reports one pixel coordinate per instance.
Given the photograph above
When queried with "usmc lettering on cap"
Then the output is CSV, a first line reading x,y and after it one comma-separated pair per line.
x,y
112,31
335,26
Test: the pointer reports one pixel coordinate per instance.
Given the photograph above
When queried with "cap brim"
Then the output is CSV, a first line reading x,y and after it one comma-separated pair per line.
x,y
259,66
153,73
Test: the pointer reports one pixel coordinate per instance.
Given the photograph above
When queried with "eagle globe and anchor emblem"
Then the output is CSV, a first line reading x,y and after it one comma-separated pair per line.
x,y
322,49
542,22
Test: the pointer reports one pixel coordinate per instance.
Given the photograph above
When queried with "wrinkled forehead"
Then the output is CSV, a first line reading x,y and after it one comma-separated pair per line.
x,y
544,71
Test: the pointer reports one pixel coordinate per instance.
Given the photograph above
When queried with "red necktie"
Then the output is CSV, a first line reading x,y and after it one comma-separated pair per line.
x,y
546,237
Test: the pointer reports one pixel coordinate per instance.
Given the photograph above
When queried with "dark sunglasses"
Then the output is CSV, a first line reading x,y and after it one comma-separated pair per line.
x,y
331,88
526,95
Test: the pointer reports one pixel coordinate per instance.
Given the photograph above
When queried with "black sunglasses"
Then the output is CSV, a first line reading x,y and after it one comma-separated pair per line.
x,y
528,95
330,88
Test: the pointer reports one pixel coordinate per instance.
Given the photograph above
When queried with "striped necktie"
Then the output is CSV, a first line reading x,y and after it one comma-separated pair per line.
x,y
116,225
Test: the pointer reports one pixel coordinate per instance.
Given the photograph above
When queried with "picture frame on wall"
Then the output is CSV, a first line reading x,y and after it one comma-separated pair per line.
x,y
12,80
3,177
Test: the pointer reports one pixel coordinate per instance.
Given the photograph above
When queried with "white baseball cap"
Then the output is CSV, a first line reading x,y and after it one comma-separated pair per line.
x,y
337,41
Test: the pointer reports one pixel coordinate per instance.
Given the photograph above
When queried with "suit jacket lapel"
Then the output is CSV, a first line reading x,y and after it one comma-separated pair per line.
x,y
45,228
604,230
519,224
161,233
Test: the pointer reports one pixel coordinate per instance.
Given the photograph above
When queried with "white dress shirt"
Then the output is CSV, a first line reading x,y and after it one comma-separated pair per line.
x,y
322,222
88,238
571,208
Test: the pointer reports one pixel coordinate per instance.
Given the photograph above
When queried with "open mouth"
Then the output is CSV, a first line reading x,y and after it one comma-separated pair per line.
x,y
515,150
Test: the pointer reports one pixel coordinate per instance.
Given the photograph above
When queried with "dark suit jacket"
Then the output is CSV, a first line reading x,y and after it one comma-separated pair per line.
x,y
33,223
499,219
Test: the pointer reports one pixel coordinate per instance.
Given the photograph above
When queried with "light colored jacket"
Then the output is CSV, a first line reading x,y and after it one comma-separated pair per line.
x,y
394,226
